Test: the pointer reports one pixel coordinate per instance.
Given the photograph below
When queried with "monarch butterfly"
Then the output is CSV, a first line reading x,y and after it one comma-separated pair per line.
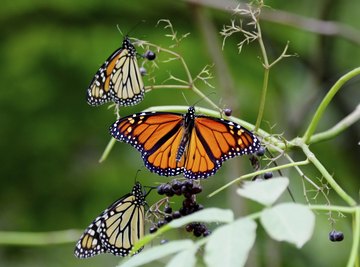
x,y
118,79
173,143
117,228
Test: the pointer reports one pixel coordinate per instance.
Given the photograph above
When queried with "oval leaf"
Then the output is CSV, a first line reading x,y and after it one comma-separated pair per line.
x,y
265,192
184,258
229,245
206,215
289,222
157,252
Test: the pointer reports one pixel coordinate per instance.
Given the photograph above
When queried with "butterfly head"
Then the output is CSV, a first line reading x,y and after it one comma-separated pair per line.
x,y
126,44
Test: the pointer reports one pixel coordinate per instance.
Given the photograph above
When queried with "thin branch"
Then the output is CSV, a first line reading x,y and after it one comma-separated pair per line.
x,y
12,238
325,102
336,130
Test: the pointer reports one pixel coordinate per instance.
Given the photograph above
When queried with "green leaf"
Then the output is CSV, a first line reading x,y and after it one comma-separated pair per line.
x,y
157,252
184,258
289,222
229,245
206,215
265,192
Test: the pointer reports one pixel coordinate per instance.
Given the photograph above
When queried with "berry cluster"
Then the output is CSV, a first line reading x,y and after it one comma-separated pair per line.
x,y
199,229
188,189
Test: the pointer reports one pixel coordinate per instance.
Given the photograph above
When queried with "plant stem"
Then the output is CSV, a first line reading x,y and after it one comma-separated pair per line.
x,y
249,175
334,208
38,239
348,199
265,79
338,128
325,102
354,254
107,150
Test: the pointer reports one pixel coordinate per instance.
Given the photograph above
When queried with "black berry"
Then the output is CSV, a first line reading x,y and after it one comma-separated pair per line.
x,y
176,215
153,229
260,152
142,71
336,236
150,55
227,111
168,209
268,175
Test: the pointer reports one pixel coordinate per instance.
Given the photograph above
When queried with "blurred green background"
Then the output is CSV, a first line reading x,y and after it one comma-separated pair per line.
x,y
51,139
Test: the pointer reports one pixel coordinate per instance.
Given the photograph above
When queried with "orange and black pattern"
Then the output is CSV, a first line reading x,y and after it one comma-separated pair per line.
x,y
118,79
173,143
116,229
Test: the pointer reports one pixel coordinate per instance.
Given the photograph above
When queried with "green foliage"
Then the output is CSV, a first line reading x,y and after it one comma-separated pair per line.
x,y
51,140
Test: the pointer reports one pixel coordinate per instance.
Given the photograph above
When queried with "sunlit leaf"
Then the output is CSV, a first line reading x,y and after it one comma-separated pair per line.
x,y
289,222
206,215
265,192
157,252
184,258
229,245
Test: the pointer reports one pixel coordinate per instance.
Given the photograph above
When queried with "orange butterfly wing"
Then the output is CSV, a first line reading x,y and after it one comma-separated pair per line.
x,y
157,135
212,142
200,143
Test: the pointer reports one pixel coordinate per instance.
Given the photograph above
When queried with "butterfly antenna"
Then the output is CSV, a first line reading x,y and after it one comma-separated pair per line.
x,y
205,96
187,102
118,27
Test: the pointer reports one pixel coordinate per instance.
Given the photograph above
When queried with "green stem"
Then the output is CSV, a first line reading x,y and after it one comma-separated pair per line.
x,y
265,79
107,150
38,239
249,175
354,254
348,199
334,208
325,102
338,128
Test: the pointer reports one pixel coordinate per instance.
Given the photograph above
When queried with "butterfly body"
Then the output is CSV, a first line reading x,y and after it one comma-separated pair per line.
x,y
118,79
117,228
173,143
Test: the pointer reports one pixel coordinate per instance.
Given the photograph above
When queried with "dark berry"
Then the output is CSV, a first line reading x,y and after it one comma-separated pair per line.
x,y
188,183
176,215
268,175
188,202
160,223
150,55
206,233
184,189
197,233
260,152
227,111
196,189
168,190
152,229
167,209
188,195
160,189
176,185
336,236
168,218
178,192
142,71
183,211
189,227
